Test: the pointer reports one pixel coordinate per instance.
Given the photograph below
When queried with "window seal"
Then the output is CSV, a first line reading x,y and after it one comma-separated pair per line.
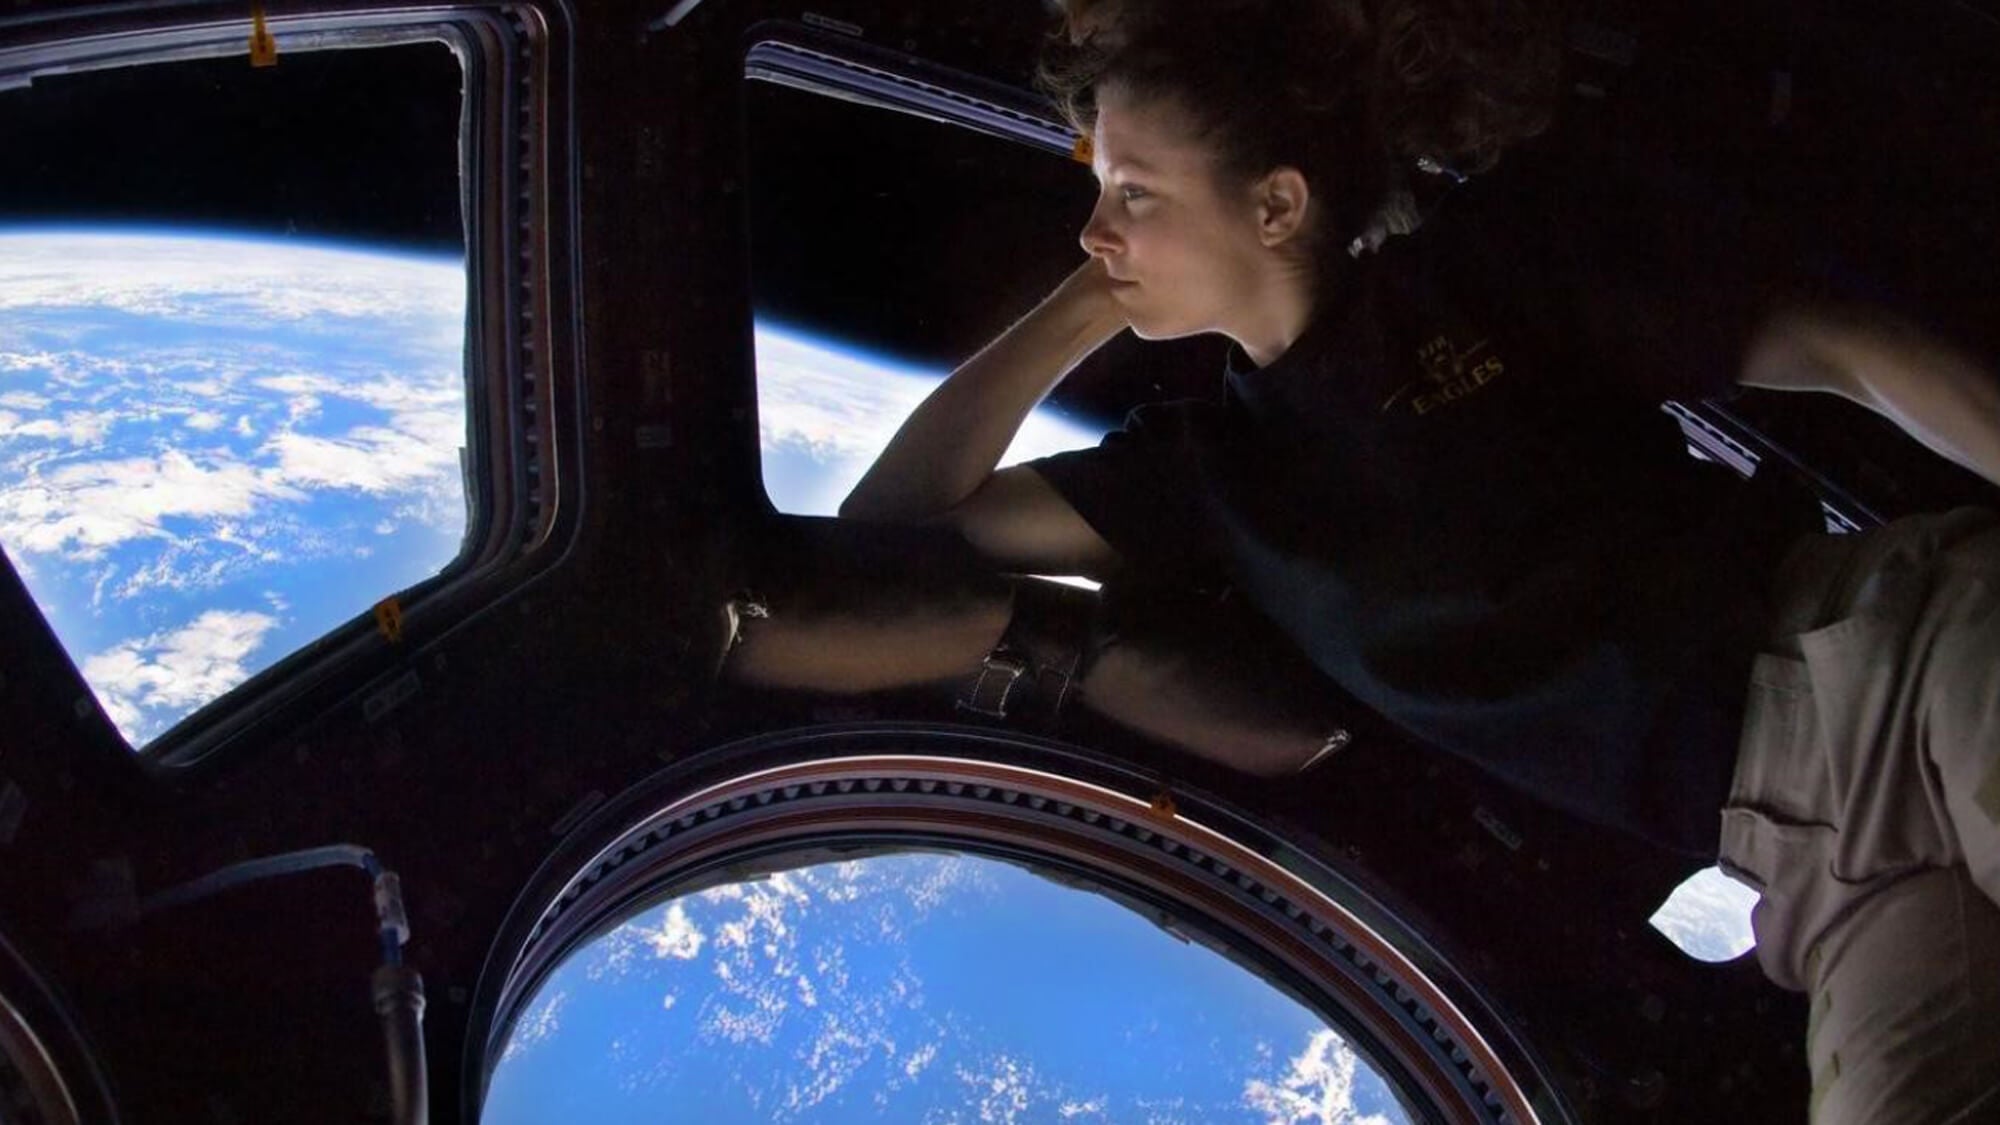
x,y
817,62
1723,437
47,1069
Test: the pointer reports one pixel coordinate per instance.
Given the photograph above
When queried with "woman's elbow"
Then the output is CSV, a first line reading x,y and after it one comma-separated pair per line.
x,y
1790,352
873,505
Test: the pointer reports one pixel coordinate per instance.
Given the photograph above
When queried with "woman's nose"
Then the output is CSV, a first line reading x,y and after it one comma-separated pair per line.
x,y
1098,238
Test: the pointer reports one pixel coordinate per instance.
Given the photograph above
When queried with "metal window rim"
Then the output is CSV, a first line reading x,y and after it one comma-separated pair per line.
x,y
985,792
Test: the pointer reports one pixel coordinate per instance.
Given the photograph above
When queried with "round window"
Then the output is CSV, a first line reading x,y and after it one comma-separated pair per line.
x,y
927,924
919,986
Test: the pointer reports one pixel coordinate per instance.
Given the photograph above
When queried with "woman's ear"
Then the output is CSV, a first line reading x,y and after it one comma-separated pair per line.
x,y
1282,199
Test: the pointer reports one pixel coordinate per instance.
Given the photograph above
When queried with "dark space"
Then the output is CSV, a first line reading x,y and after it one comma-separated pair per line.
x,y
858,213
356,145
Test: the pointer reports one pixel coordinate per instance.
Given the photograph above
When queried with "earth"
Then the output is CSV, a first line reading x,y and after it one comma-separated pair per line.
x,y
918,987
825,411
214,449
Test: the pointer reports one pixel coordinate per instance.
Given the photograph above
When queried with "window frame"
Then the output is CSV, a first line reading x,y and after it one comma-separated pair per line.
x,y
1267,898
522,370
853,70
843,68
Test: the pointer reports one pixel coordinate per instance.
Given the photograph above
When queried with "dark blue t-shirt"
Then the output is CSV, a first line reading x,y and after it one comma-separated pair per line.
x,y
1458,495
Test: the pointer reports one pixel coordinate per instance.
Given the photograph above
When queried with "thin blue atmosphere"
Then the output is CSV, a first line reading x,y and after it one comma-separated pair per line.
x,y
922,987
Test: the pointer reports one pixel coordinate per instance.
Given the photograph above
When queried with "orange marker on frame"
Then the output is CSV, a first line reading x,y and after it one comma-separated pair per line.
x,y
263,45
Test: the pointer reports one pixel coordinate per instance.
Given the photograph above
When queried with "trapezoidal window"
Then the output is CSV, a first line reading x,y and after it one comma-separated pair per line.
x,y
896,226
233,393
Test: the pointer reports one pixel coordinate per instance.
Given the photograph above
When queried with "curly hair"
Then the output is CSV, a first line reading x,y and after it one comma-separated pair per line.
x,y
1347,91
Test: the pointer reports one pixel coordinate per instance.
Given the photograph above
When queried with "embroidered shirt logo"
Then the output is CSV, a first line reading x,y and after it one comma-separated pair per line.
x,y
1449,374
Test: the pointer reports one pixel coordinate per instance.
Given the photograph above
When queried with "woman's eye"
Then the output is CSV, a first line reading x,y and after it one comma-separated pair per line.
x,y
1132,193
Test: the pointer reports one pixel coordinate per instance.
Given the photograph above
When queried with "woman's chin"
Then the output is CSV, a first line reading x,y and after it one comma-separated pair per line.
x,y
1147,328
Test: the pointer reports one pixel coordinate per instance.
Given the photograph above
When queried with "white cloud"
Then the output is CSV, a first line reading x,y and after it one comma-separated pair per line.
x,y
417,451
1317,1087
1000,1089
804,1026
181,278
839,1049
1708,916
535,1028
79,510
371,459
245,427
174,670
156,372
779,983
87,394
1094,1107
919,1059
676,936
764,980
77,427
15,362
301,409
97,584
440,394
756,953
219,387
171,572
223,551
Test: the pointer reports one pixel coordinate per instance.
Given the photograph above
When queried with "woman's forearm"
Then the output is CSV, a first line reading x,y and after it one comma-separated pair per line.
x,y
1220,685
836,607
1260,711
951,443
844,649
1211,703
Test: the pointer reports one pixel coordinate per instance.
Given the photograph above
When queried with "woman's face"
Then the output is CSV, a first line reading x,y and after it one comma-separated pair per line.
x,y
1181,242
